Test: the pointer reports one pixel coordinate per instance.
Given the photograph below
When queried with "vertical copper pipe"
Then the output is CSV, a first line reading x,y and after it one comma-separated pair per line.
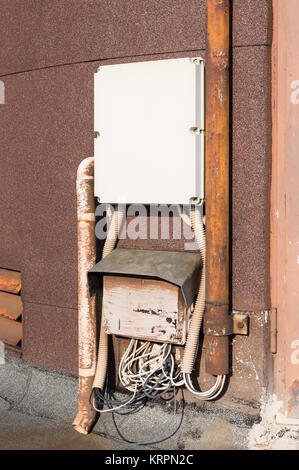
x,y
217,325
86,304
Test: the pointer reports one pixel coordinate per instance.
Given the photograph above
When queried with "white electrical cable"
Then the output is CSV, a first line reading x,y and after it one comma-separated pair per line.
x,y
110,410
210,394
144,367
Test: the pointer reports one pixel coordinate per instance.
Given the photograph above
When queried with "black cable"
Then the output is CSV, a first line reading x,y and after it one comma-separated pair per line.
x,y
98,400
162,437
134,407
158,395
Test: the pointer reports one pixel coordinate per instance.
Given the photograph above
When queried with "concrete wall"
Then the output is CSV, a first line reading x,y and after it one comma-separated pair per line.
x,y
49,52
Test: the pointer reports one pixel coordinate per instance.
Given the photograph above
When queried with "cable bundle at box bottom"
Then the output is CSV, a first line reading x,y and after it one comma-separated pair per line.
x,y
148,371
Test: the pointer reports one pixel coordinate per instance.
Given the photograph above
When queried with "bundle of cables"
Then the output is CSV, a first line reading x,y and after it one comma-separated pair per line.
x,y
149,370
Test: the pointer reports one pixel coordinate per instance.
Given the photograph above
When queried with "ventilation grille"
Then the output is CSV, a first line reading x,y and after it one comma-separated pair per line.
x,y
11,309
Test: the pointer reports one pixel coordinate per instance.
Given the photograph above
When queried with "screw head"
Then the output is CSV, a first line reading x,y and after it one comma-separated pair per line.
x,y
195,130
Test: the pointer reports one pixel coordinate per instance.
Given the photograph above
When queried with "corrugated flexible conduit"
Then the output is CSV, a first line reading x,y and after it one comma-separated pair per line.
x,y
191,346
102,361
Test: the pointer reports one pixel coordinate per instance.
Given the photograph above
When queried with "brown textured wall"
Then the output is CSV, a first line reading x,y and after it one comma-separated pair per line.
x,y
46,128
251,163
49,51
46,33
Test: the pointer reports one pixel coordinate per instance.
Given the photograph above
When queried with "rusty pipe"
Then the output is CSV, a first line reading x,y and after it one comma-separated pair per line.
x,y
217,320
86,304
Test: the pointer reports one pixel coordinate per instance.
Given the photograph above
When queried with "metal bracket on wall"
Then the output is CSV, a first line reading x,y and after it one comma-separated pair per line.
x,y
240,323
234,324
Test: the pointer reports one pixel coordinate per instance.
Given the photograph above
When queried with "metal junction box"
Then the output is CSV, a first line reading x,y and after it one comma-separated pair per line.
x,y
149,123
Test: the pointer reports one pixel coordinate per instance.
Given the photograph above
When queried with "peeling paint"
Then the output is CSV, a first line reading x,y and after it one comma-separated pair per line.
x,y
294,400
268,434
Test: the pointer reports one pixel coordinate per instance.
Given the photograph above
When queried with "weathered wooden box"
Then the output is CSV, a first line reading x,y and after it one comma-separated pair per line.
x,y
148,309
146,294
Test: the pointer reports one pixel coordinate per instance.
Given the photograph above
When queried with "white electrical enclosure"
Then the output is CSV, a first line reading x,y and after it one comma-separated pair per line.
x,y
149,122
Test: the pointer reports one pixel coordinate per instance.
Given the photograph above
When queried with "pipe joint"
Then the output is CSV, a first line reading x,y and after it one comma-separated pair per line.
x,y
217,321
